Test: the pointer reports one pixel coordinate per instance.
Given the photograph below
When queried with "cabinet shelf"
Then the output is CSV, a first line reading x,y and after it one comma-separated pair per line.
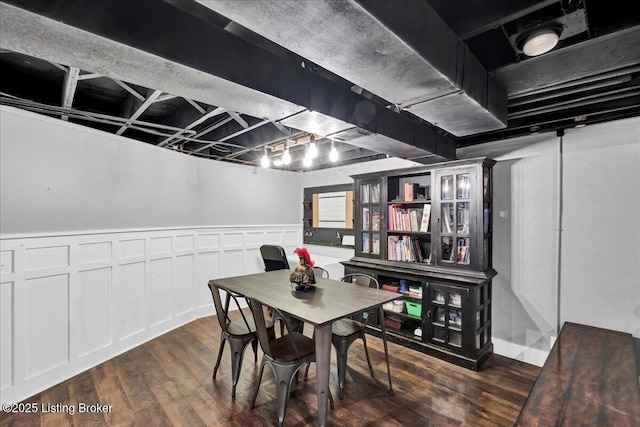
x,y
401,316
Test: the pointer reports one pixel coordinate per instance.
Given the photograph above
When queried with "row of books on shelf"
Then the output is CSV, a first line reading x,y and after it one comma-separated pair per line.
x,y
463,252
371,245
401,219
375,220
406,248
462,213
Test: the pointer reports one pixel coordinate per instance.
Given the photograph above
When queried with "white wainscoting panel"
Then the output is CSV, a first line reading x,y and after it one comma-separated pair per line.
x,y
46,329
6,262
158,292
94,252
128,297
43,258
183,284
92,294
70,302
6,335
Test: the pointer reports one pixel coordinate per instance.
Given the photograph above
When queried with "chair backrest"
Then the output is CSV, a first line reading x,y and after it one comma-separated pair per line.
x,y
261,327
362,280
320,272
222,312
289,347
274,257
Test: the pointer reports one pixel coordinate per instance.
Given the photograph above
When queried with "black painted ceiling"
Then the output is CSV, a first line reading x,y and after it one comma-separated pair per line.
x,y
201,83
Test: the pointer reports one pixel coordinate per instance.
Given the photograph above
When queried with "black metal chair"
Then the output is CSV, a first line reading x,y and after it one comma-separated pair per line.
x,y
274,257
345,332
238,334
320,272
285,355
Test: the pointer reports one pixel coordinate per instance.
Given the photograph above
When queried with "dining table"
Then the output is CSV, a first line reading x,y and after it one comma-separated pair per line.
x,y
329,300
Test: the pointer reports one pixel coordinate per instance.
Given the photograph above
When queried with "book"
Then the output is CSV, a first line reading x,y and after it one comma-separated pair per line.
x,y
413,215
426,217
446,215
375,221
394,224
408,192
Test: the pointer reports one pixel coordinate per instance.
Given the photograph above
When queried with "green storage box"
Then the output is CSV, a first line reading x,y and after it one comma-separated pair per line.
x,y
414,308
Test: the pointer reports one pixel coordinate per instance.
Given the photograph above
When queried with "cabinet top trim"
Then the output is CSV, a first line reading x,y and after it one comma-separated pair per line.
x,y
486,161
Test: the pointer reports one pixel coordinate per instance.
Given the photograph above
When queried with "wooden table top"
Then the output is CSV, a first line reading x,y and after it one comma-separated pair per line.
x,y
590,378
330,301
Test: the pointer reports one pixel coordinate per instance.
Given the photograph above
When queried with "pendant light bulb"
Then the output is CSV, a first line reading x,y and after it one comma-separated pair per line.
x,y
286,157
307,159
333,154
313,149
265,162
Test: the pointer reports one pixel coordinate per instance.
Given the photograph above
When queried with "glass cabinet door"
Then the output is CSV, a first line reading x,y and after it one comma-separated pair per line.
x,y
455,197
370,218
445,326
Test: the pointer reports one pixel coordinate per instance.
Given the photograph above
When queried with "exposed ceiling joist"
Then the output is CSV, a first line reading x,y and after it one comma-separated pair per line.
x,y
198,121
141,109
69,88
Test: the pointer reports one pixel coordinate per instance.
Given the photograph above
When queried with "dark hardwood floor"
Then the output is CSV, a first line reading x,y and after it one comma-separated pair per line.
x,y
167,382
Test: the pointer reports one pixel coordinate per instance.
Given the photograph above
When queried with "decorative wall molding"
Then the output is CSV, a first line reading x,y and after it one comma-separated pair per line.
x,y
71,301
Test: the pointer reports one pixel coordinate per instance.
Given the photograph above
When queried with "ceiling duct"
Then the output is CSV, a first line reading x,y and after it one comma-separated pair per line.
x,y
367,42
176,49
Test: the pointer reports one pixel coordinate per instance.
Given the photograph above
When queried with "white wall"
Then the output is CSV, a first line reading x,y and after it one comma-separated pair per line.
x,y
106,243
601,227
59,177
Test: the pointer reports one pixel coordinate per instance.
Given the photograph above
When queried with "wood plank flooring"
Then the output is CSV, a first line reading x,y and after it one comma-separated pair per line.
x,y
167,382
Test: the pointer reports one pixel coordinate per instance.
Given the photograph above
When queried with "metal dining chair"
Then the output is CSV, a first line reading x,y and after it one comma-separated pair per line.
x,y
284,355
238,334
345,332
320,272
275,258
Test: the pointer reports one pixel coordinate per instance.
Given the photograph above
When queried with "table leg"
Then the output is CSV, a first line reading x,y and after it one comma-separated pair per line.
x,y
323,363
384,341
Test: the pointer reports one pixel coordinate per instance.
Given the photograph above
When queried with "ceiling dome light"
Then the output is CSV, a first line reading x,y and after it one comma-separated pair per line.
x,y
265,162
540,41
333,154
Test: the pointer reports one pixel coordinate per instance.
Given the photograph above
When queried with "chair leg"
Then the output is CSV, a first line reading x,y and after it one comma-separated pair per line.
x,y
220,350
284,377
306,371
255,393
254,344
342,349
237,353
366,353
